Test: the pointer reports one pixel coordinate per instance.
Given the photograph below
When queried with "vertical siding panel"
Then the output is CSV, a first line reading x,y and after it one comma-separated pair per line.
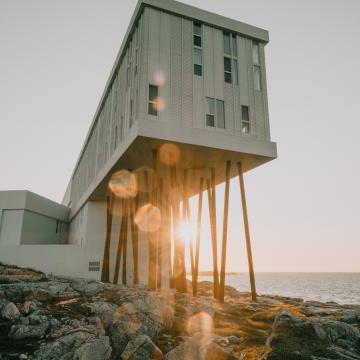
x,y
143,64
218,64
165,65
243,72
176,69
264,92
208,61
252,114
187,65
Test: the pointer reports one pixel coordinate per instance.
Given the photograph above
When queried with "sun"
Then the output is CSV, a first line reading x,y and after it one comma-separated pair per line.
x,y
187,231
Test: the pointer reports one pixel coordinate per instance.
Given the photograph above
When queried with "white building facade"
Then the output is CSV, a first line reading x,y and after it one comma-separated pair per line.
x,y
183,76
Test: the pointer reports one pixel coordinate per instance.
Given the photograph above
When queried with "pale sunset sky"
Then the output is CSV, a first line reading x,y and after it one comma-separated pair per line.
x,y
304,207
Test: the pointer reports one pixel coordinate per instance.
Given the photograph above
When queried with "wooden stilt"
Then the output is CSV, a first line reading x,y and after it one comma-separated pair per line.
x,y
247,231
212,215
179,275
153,235
160,235
105,273
135,238
120,243
198,230
168,240
224,234
124,241
186,218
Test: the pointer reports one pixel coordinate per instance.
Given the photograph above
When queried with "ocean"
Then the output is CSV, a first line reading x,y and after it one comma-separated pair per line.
x,y
343,288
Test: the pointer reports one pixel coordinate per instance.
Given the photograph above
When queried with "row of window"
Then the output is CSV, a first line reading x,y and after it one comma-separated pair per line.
x,y
231,69
215,111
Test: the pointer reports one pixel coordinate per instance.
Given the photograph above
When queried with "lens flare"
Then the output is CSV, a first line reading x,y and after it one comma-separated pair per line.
x,y
159,78
202,323
169,154
148,218
123,184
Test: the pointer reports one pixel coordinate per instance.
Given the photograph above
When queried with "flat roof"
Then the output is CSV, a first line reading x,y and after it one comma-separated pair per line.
x,y
183,10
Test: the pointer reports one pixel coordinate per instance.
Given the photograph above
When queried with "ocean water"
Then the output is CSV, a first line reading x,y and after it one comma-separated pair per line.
x,y
343,288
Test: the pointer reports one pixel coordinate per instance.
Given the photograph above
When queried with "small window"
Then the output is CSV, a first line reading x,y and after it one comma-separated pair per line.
x,y
198,62
256,54
245,119
197,36
215,115
197,29
210,112
231,74
153,100
131,120
227,46
197,40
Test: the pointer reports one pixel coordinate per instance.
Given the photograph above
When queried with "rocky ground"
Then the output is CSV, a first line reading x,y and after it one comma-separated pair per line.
x,y
46,318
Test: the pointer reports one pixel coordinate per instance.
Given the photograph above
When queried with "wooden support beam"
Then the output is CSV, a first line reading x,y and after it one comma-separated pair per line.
x,y
225,230
198,233
152,236
159,248
168,240
105,272
135,237
247,231
125,240
120,243
178,272
212,215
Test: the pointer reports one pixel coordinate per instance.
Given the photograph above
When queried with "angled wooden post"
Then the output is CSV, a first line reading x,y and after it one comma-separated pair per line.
x,y
135,238
120,242
153,235
179,275
212,215
105,272
159,247
198,230
168,240
247,231
225,230
125,240
186,217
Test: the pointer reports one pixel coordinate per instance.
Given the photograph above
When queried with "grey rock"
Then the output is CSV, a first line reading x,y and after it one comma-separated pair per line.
x,y
10,312
198,347
87,287
94,349
141,348
21,332
64,347
104,310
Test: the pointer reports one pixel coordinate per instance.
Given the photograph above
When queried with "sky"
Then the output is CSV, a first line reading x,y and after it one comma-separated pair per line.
x,y
304,207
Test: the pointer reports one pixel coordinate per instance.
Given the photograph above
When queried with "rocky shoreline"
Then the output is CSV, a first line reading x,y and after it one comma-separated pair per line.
x,y
46,317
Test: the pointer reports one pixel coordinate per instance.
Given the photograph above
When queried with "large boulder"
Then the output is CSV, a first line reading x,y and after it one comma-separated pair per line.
x,y
10,312
94,349
141,348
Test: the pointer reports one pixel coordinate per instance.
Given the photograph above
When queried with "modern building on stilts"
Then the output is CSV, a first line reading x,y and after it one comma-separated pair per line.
x,y
184,109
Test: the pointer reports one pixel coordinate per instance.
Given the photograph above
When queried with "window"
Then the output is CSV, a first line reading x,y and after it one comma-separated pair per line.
x,y
198,62
131,119
153,100
215,115
197,41
231,74
245,119
256,66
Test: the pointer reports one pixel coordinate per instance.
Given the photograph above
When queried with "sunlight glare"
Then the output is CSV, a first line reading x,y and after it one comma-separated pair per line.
x,y
123,184
148,218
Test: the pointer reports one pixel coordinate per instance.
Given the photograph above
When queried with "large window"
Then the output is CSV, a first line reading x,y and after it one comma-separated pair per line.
x,y
256,66
231,73
197,42
215,114
245,119
153,100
